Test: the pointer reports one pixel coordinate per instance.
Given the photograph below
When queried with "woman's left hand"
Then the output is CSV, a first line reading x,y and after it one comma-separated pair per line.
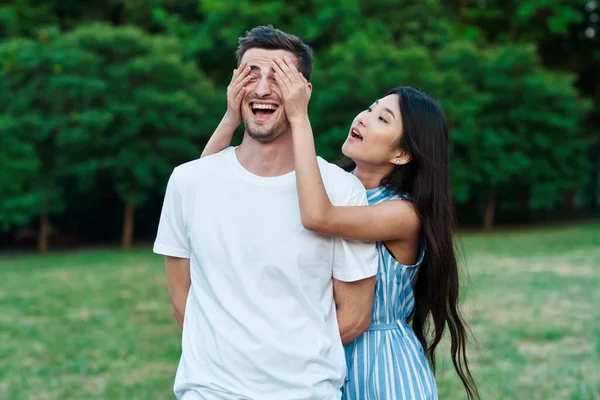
x,y
295,89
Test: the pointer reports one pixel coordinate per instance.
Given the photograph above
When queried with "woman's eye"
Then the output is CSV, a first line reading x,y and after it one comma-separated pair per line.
x,y
382,119
369,109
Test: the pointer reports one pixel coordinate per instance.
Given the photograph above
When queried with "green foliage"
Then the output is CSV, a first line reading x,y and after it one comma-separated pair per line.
x,y
49,97
424,22
156,102
512,122
124,90
462,100
528,20
526,129
96,98
353,74
24,17
18,161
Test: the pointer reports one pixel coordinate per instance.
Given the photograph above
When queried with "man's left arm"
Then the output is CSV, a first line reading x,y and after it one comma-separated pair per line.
x,y
354,270
354,302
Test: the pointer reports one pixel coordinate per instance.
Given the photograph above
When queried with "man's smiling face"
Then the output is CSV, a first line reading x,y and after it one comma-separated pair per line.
x,y
263,110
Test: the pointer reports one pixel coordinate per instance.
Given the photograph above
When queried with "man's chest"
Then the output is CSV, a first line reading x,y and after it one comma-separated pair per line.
x,y
257,232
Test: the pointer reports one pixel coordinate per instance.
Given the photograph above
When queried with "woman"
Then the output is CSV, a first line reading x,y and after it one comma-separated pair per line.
x,y
400,149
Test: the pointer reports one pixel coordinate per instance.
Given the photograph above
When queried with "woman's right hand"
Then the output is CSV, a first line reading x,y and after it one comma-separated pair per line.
x,y
235,94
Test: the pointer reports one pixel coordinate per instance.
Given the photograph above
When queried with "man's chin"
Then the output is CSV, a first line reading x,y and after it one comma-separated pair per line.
x,y
263,133
263,137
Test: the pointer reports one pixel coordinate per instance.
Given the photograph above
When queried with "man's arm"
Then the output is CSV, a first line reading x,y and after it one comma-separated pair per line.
x,y
354,277
172,241
354,302
178,283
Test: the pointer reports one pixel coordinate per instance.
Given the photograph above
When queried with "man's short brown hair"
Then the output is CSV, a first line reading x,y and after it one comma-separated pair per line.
x,y
269,38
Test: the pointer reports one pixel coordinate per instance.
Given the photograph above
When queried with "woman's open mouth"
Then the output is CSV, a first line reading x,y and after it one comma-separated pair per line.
x,y
354,135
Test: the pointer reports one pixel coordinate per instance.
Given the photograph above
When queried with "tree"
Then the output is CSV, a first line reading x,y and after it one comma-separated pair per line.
x,y
528,126
355,73
462,101
518,21
566,33
18,162
158,103
49,92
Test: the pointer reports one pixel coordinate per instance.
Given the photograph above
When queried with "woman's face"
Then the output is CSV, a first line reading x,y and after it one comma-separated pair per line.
x,y
375,133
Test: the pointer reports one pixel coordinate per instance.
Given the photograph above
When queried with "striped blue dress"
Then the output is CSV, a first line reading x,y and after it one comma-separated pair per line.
x,y
387,362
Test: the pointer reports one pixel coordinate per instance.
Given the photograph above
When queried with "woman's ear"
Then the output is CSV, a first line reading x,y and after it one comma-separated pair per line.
x,y
401,158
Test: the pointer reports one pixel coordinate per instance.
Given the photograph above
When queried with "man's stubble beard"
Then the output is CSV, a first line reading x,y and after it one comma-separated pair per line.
x,y
276,131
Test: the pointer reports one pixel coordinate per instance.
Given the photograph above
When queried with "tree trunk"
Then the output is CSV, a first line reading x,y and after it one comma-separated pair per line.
x,y
570,205
462,7
490,212
128,221
42,245
595,160
594,191
523,197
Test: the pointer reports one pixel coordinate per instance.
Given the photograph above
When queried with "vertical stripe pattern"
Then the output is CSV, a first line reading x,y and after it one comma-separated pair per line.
x,y
387,362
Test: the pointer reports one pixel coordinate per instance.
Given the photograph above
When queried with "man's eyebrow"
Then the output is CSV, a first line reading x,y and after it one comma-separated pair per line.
x,y
256,68
387,109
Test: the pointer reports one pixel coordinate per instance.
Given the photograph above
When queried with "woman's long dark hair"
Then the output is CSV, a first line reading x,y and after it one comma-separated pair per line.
x,y
427,178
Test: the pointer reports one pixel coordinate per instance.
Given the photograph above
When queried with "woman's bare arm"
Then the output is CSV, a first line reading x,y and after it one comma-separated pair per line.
x,y
391,220
221,138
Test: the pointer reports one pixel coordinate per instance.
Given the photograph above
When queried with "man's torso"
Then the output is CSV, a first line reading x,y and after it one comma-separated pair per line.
x,y
260,315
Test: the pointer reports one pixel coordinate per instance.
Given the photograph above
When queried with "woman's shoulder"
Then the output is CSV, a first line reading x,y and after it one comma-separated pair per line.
x,y
400,206
383,193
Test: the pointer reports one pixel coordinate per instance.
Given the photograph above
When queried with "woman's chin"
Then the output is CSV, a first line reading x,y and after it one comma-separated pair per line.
x,y
350,151
347,149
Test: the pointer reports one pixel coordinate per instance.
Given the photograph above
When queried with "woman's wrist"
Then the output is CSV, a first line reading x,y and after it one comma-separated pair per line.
x,y
230,120
300,122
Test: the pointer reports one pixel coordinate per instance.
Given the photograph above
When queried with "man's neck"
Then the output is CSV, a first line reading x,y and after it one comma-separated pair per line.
x,y
267,159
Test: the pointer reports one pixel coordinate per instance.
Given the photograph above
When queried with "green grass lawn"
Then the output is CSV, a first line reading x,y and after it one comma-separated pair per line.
x,y
98,325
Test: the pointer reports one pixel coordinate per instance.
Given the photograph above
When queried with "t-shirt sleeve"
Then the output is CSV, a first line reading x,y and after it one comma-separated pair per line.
x,y
172,238
354,260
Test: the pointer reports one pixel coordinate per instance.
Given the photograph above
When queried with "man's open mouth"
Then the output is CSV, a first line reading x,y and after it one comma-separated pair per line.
x,y
263,111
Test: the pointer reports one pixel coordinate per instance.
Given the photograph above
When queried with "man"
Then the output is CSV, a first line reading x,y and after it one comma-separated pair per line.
x,y
252,288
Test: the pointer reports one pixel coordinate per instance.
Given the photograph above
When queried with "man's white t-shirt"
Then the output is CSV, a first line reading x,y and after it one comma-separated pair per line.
x,y
260,318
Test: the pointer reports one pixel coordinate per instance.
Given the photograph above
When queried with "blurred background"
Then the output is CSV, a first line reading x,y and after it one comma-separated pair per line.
x,y
100,100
